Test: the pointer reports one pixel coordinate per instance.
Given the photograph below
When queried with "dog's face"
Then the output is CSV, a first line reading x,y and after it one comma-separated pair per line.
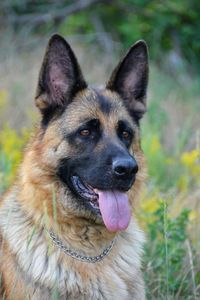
x,y
90,138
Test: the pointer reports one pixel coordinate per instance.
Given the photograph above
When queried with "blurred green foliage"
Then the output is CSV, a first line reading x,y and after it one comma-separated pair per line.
x,y
169,270
168,26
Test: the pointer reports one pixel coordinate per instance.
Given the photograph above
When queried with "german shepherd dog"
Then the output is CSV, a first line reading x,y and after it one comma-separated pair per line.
x,y
67,227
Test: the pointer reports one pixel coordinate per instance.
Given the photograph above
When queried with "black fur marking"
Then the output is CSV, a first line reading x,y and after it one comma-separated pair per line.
x,y
63,172
46,262
75,137
124,126
123,258
100,289
51,113
104,104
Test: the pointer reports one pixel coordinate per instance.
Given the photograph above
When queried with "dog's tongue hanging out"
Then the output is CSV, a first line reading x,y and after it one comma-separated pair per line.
x,y
115,210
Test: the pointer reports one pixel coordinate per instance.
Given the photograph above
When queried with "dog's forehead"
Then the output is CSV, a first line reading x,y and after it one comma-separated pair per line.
x,y
104,105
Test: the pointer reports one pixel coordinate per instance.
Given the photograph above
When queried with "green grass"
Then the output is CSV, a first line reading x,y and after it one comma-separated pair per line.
x,y
170,257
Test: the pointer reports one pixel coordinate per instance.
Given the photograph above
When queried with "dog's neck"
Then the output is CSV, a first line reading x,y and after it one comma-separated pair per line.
x,y
84,239
82,234
78,254
74,231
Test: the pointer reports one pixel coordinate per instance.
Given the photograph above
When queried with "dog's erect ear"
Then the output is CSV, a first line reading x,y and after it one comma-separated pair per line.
x,y
130,79
60,76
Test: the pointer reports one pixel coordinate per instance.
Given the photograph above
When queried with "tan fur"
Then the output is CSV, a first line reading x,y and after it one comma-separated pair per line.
x,y
31,266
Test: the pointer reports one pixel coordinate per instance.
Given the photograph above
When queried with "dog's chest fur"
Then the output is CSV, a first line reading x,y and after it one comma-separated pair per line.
x,y
53,274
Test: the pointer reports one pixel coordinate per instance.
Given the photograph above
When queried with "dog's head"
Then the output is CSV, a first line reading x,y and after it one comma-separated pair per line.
x,y
90,138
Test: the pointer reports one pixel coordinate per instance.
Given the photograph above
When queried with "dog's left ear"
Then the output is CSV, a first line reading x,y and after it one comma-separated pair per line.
x,y
130,79
60,76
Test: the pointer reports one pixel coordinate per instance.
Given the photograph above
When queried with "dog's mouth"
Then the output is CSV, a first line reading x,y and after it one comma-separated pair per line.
x,y
86,192
112,205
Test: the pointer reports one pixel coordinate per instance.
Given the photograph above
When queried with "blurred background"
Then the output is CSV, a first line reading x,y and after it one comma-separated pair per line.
x,y
100,32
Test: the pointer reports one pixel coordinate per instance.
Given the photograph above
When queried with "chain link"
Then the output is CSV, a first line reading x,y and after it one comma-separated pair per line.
x,y
76,255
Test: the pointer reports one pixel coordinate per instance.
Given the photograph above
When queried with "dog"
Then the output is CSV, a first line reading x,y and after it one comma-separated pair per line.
x,y
67,225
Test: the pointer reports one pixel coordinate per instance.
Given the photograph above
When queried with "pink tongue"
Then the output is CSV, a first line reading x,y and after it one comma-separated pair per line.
x,y
115,210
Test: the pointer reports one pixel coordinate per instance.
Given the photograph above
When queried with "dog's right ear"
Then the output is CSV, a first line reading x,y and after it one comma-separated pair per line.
x,y
60,76
130,79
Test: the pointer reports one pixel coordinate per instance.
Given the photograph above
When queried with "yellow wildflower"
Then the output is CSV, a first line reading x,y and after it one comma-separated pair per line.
x,y
150,205
192,215
10,148
155,145
183,183
188,159
3,98
191,160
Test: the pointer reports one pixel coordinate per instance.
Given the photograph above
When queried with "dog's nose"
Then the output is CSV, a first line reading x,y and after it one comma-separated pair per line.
x,y
124,167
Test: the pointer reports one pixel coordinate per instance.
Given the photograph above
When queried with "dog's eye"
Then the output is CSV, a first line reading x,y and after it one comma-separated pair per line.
x,y
85,132
126,135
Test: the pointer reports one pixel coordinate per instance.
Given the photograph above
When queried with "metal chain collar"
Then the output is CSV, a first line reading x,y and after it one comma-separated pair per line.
x,y
76,255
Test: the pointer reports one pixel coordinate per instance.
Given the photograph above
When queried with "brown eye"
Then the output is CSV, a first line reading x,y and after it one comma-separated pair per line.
x,y
85,132
126,135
